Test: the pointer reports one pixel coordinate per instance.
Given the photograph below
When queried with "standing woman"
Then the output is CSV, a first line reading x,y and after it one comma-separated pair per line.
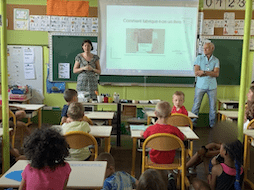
x,y
87,65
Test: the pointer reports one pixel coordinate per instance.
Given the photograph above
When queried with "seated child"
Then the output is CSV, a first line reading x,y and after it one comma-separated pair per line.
x,y
75,114
162,111
45,149
226,172
178,100
71,95
152,179
115,180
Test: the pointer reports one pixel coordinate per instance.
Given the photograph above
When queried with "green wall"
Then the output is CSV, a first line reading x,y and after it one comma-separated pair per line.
x,y
136,93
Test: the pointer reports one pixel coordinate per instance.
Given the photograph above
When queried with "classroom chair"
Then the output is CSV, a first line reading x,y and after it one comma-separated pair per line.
x,y
246,157
11,115
166,142
79,139
181,120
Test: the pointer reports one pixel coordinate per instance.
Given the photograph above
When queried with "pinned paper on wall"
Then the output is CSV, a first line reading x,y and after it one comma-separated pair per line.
x,y
21,19
208,27
28,55
64,70
229,25
29,71
95,48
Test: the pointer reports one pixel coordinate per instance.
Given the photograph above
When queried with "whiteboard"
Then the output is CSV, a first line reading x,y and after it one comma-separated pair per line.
x,y
17,59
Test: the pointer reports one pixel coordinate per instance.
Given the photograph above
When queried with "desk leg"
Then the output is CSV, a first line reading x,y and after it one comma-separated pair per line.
x,y
219,105
39,118
223,117
107,145
110,122
218,115
118,138
134,147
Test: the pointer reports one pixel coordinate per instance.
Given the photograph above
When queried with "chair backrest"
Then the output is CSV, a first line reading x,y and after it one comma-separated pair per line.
x,y
251,124
180,120
11,115
163,142
80,139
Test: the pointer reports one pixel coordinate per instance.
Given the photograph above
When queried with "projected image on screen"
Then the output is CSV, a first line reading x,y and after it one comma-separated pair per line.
x,y
147,37
146,41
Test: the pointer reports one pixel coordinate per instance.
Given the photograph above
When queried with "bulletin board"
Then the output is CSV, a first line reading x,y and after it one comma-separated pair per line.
x,y
17,69
36,10
219,14
64,47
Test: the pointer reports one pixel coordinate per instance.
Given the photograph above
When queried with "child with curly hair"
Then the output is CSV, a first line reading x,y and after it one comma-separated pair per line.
x,y
46,149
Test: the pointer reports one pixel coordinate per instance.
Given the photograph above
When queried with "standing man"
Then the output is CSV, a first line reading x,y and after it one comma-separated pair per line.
x,y
207,68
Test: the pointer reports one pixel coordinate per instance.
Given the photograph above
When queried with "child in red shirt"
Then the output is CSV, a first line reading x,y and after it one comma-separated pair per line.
x,y
162,111
178,100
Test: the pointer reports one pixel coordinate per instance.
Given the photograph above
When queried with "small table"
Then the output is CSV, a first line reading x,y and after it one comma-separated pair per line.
x,y
135,135
84,175
30,107
226,101
103,132
151,114
101,116
249,136
98,131
228,114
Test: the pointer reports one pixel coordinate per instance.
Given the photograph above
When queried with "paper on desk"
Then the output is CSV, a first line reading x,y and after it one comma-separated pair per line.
x,y
15,175
138,127
29,71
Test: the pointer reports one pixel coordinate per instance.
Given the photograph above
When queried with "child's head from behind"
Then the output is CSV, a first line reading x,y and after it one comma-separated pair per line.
x,y
46,147
76,111
250,94
162,109
178,99
151,179
250,110
234,151
70,95
104,156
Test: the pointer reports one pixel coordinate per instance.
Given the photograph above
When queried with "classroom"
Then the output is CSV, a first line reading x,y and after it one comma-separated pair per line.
x,y
50,46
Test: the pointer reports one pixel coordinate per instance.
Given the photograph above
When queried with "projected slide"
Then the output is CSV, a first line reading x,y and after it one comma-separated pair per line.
x,y
149,40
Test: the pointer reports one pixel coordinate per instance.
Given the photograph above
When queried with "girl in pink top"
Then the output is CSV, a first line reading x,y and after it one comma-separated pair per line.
x,y
46,148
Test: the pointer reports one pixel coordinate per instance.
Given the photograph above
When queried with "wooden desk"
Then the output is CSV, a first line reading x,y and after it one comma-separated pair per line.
x,y
151,114
30,107
84,175
248,138
227,114
226,101
98,131
119,110
101,116
135,135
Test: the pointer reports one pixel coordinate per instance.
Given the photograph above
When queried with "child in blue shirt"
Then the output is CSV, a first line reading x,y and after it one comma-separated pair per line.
x,y
116,180
70,96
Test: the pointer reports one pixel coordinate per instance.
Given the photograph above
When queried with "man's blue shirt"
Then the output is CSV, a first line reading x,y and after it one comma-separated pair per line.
x,y
207,82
